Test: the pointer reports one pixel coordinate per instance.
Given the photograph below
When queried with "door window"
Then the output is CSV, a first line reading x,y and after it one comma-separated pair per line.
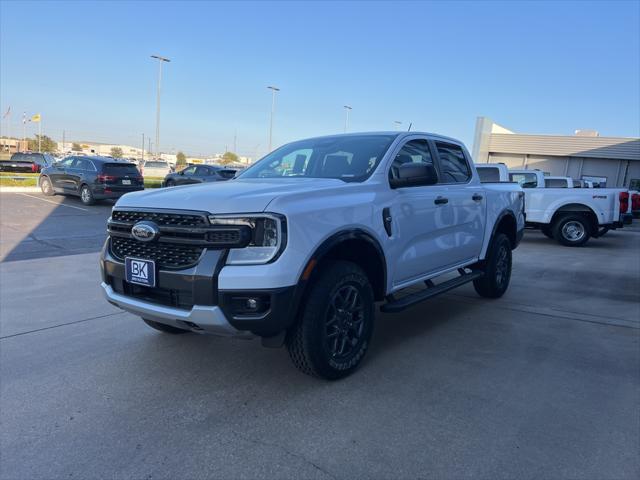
x,y
453,164
66,163
525,180
414,151
203,172
189,170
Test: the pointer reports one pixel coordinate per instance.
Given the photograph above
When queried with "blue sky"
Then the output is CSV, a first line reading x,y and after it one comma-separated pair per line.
x,y
539,67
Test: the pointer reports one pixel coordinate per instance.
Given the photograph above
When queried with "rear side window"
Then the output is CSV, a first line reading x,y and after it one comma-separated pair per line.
x,y
525,180
555,183
226,173
120,169
453,163
489,174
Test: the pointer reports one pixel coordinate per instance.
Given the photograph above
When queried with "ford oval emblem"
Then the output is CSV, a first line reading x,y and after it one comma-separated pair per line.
x,y
145,231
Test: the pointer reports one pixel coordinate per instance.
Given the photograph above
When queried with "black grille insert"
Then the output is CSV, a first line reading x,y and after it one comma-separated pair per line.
x,y
166,219
166,255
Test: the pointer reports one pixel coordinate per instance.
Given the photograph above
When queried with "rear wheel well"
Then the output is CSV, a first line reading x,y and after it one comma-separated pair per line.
x,y
577,209
364,254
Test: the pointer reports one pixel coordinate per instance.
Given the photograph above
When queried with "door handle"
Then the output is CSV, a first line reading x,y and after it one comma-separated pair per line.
x,y
441,201
477,197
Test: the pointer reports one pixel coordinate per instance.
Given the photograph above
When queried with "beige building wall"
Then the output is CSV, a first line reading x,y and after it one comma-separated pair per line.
x,y
615,158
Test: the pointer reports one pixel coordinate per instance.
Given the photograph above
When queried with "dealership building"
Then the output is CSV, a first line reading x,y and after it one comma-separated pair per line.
x,y
610,161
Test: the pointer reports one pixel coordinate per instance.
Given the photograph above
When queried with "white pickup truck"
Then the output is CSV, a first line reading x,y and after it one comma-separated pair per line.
x,y
560,208
299,247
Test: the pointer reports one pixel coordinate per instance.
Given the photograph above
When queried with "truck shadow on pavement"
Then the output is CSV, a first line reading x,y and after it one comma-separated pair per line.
x,y
35,226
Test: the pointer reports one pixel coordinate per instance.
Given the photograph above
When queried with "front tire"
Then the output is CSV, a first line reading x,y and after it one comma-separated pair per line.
x,y
161,327
170,183
333,335
86,195
497,269
47,187
572,230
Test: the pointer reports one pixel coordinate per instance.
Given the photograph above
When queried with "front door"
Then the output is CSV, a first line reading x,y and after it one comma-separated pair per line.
x,y
421,237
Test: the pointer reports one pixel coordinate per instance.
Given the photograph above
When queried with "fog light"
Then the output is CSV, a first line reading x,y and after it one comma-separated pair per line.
x,y
252,303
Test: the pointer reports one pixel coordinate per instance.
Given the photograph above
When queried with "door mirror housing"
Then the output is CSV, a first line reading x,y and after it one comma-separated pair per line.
x,y
414,175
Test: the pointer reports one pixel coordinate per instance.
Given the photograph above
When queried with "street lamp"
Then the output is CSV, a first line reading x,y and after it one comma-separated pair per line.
x,y
346,120
273,108
397,123
161,60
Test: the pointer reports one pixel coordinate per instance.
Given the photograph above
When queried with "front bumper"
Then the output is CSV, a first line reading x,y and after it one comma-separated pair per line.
x,y
201,318
190,299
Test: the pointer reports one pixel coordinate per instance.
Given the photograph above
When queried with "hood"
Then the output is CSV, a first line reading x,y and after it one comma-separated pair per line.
x,y
232,196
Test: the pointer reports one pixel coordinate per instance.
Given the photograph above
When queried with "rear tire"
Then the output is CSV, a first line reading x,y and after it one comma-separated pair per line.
x,y
86,195
572,230
333,335
497,269
161,327
47,187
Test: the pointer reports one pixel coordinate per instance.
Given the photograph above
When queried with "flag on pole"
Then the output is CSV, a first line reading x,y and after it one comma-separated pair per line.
x,y
8,112
36,118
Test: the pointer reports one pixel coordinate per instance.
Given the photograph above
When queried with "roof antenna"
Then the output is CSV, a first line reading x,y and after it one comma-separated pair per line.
x,y
409,129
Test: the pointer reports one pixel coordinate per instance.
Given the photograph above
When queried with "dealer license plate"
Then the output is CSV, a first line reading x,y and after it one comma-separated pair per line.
x,y
140,272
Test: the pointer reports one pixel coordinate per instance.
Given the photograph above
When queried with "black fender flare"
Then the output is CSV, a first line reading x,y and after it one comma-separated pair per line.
x,y
506,213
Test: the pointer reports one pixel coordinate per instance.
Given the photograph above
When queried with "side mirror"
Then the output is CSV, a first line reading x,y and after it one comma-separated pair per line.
x,y
414,175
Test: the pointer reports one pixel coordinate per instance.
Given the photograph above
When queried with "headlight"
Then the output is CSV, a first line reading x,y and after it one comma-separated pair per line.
x,y
268,237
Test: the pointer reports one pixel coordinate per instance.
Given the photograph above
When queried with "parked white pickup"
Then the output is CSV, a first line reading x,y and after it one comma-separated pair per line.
x,y
566,212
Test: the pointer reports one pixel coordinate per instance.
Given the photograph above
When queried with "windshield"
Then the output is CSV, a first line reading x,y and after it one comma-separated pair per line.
x,y
351,158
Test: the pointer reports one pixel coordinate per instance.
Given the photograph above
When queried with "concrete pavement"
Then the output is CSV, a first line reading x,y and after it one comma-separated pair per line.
x,y
543,383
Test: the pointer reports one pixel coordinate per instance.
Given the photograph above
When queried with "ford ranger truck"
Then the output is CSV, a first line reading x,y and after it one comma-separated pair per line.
x,y
300,247
568,214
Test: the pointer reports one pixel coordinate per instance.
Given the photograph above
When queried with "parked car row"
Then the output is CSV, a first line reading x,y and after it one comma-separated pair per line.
x,y
561,207
91,178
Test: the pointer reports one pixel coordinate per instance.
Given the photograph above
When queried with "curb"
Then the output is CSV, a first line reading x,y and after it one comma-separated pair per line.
x,y
4,189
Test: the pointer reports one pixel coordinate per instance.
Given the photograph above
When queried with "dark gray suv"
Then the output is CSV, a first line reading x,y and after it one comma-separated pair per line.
x,y
91,178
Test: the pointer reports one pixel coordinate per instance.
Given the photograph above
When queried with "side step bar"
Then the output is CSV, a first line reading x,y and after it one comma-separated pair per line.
x,y
393,305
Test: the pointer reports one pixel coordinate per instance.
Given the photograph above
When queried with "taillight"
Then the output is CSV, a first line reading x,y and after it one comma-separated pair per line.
x,y
34,168
635,201
102,178
624,202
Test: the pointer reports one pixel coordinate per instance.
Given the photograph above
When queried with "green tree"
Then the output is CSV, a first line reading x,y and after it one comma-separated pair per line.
x,y
229,157
181,160
47,145
116,152
76,147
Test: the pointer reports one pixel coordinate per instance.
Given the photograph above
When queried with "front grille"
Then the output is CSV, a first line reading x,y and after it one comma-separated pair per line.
x,y
166,255
161,218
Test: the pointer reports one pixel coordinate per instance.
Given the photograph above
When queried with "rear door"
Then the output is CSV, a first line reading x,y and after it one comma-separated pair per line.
x,y
205,174
76,174
465,219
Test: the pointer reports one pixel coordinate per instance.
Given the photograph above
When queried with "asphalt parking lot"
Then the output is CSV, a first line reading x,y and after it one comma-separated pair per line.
x,y
543,383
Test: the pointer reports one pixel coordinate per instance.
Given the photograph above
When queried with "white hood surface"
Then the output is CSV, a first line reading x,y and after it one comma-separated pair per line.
x,y
233,196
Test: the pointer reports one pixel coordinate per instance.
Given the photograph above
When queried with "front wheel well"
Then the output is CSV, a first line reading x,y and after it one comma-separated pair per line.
x,y
364,253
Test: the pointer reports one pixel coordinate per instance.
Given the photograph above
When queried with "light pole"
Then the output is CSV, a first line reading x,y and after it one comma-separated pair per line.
x,y
346,120
161,60
397,123
273,108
